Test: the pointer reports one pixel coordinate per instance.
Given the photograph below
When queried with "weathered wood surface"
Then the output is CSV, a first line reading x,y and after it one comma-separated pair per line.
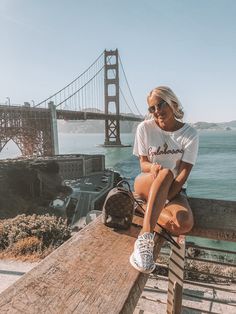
x,y
90,273
215,219
176,277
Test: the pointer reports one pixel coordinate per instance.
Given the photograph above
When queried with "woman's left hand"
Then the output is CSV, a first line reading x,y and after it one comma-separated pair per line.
x,y
155,168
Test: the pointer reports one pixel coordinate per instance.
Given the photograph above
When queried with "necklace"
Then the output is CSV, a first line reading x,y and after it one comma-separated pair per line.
x,y
175,127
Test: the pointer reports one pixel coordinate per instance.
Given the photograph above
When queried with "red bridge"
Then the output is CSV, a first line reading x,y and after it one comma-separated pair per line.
x,y
94,95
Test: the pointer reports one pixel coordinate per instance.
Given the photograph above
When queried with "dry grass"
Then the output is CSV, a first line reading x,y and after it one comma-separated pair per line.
x,y
32,237
210,270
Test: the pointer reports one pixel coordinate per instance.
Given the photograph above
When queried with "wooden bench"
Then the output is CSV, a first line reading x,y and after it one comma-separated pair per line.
x,y
213,219
90,273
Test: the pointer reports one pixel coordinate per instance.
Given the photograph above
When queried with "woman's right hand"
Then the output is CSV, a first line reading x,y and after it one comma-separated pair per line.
x,y
155,168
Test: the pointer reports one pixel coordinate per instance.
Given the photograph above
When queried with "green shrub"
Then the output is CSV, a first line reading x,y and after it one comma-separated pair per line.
x,y
29,234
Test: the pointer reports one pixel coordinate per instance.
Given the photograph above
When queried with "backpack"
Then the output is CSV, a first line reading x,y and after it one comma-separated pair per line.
x,y
118,208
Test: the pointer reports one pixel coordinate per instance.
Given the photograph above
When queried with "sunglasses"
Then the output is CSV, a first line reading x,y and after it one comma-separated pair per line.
x,y
162,104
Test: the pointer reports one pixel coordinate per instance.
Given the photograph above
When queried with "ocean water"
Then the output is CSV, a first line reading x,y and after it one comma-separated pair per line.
x,y
213,176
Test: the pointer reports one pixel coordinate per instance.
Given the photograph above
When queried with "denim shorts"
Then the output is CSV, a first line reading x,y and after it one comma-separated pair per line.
x,y
183,192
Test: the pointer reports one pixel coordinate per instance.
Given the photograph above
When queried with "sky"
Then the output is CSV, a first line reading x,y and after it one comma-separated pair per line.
x,y
188,45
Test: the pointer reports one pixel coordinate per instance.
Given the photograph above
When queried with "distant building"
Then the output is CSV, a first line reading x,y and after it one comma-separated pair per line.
x,y
42,178
72,167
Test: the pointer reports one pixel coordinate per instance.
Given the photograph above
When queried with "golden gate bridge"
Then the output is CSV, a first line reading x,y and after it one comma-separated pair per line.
x,y
96,94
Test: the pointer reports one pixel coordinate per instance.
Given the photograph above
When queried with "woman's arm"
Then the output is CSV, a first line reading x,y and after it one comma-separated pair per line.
x,y
184,171
147,166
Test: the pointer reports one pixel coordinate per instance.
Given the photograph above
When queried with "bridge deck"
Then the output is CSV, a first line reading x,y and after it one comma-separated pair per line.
x,y
18,112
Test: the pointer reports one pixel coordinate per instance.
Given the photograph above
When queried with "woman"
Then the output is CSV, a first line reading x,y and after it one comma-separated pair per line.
x,y
167,150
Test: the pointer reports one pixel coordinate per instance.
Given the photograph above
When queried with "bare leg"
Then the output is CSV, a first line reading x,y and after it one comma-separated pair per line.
x,y
180,216
156,198
155,192
176,217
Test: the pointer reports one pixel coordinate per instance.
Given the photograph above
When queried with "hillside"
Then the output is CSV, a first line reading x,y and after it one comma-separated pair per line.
x,y
231,124
215,126
207,126
92,126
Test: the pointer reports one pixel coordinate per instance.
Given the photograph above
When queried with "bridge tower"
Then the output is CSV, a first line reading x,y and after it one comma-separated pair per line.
x,y
111,97
30,128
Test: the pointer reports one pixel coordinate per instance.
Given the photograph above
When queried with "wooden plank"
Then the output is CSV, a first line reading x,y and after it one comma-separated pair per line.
x,y
176,277
215,219
177,307
90,273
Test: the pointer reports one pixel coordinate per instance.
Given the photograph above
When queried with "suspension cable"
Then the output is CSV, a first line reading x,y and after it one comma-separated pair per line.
x,y
70,82
125,99
80,87
128,85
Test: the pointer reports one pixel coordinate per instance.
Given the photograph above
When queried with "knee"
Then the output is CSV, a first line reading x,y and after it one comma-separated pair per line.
x,y
184,221
142,184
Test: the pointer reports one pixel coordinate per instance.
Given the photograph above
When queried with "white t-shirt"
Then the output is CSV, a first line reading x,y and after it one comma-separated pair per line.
x,y
166,148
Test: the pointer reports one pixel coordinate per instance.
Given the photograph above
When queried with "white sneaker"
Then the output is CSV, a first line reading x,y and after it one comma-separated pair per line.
x,y
142,256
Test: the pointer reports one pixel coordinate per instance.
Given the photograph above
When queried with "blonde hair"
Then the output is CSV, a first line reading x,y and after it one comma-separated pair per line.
x,y
169,96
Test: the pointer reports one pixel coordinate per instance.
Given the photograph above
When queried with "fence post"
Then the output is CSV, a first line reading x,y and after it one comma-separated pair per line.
x,y
176,277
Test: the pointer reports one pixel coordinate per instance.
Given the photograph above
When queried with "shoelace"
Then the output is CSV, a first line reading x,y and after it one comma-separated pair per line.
x,y
138,202
145,247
